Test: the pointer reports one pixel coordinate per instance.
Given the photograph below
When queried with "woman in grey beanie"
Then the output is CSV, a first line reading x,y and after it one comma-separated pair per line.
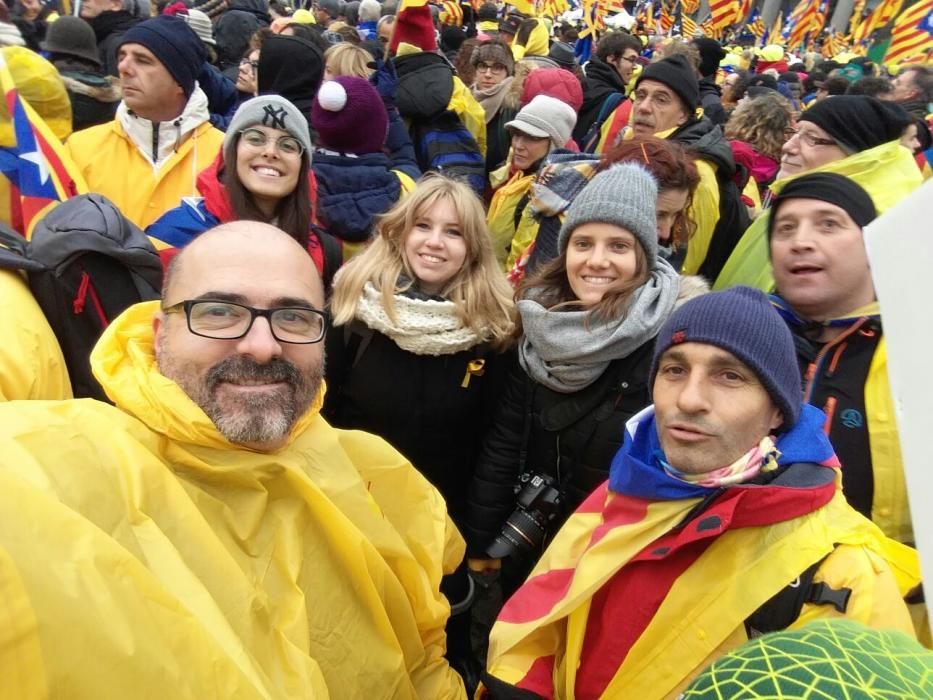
x,y
589,319
263,174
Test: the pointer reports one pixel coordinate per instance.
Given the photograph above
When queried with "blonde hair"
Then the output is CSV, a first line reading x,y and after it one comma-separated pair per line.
x,y
479,290
348,60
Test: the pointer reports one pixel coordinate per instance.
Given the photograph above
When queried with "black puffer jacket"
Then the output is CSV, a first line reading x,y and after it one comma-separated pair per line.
x,y
109,28
602,80
572,437
417,403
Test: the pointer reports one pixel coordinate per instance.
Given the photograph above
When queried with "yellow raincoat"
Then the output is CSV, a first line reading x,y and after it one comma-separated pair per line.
x,y
31,362
500,218
144,556
887,172
111,164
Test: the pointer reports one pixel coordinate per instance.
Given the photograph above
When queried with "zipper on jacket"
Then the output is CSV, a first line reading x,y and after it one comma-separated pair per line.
x,y
814,370
155,142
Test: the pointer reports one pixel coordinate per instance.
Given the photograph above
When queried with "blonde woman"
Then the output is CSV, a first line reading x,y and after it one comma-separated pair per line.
x,y
347,59
423,320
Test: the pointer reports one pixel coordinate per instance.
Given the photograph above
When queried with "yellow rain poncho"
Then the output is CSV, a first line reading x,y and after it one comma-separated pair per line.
x,y
144,556
887,172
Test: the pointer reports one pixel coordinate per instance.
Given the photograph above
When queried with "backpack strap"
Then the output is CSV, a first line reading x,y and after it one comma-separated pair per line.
x,y
784,607
591,139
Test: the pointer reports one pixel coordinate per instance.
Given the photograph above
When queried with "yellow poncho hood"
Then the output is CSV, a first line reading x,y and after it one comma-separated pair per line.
x,y
142,555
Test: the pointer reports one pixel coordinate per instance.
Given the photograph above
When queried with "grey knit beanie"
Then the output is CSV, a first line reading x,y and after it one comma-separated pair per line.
x,y
625,195
546,116
272,111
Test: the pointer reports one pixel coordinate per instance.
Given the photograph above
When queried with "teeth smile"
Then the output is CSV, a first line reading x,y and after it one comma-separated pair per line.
x,y
598,280
271,172
432,258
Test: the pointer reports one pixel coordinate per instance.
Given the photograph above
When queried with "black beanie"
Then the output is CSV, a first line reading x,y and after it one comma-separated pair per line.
x,y
836,189
174,44
678,74
858,122
711,53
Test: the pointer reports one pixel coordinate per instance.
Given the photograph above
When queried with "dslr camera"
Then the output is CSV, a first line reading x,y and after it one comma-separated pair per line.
x,y
539,502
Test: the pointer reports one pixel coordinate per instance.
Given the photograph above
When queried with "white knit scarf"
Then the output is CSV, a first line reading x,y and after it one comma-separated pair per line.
x,y
424,326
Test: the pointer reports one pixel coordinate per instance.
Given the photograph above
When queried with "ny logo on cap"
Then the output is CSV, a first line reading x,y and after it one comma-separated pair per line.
x,y
274,117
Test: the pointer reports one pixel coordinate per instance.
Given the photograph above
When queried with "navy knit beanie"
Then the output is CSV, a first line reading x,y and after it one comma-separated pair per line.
x,y
741,321
174,43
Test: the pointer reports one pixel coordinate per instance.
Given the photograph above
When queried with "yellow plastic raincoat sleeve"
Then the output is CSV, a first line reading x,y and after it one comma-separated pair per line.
x,y
470,112
704,212
31,361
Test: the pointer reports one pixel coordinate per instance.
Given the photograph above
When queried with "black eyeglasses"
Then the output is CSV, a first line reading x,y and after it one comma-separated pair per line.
x,y
252,64
490,67
808,138
224,320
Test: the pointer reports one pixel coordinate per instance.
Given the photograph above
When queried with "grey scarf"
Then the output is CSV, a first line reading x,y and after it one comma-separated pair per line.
x,y
560,351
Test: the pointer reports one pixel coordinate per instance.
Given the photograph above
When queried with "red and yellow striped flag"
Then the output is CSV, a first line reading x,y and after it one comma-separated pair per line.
x,y
688,26
723,14
879,18
912,34
803,17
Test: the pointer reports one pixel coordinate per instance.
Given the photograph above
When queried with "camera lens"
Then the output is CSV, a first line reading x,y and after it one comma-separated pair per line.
x,y
521,532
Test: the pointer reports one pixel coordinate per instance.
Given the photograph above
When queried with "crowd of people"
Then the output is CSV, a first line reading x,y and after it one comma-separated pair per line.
x,y
458,366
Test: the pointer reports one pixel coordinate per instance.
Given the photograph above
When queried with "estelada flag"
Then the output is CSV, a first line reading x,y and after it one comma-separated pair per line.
x,y
912,33
40,173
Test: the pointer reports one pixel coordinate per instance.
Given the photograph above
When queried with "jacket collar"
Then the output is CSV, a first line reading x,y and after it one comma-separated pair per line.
x,y
157,141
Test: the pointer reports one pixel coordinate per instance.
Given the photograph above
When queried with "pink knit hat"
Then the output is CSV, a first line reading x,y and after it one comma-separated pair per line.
x,y
349,116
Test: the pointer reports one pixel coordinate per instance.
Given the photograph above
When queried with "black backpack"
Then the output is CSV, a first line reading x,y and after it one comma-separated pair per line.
x,y
85,264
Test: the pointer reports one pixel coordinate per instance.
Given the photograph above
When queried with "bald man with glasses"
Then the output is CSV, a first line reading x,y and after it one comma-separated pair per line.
x,y
209,534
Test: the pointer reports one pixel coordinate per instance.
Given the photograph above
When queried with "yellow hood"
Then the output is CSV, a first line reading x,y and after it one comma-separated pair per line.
x,y
124,363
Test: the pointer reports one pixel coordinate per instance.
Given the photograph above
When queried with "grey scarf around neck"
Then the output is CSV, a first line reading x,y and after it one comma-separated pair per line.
x,y
561,351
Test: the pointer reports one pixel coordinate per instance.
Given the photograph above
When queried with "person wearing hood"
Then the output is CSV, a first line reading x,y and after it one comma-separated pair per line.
x,y
72,50
276,74
852,135
721,520
357,181
263,173
222,539
711,53
233,30
666,98
544,124
110,19
494,67
148,157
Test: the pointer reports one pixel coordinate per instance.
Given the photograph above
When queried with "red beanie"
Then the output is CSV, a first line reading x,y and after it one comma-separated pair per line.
x,y
415,26
553,82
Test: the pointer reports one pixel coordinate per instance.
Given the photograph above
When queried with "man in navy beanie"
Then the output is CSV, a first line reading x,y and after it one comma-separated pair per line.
x,y
722,519
147,159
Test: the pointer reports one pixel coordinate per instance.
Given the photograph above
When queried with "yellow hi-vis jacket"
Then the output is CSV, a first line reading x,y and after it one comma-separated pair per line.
x,y
142,555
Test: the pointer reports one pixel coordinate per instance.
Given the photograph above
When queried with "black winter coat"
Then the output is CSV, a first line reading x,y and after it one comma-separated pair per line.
x,y
572,437
417,403
602,80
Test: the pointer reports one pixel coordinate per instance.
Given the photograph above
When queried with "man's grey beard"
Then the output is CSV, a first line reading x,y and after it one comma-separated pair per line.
x,y
263,418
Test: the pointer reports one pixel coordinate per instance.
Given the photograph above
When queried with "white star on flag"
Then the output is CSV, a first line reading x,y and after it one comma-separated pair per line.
x,y
39,161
